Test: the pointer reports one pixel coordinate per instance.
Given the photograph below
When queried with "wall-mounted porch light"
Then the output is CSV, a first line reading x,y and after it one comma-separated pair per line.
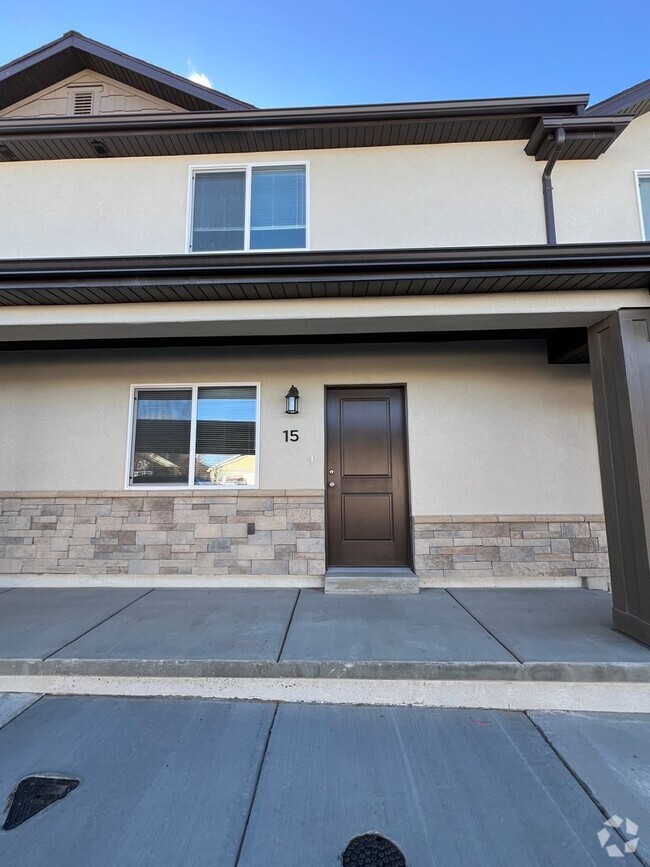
x,y
292,397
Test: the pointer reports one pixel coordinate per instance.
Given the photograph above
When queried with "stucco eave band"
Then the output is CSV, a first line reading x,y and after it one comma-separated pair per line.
x,y
345,315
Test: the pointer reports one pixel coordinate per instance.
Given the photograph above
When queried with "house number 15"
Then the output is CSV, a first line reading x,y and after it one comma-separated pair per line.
x,y
291,436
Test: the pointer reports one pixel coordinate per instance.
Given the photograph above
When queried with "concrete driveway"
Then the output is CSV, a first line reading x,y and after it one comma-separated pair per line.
x,y
201,782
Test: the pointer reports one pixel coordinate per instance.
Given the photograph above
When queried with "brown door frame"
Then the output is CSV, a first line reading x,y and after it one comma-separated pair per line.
x,y
407,459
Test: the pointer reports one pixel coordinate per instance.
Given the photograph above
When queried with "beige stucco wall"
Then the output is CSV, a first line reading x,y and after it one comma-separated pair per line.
x,y
492,427
416,196
420,196
506,310
485,193
596,200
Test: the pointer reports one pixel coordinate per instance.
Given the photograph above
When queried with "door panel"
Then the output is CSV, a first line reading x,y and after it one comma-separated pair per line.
x,y
368,516
365,437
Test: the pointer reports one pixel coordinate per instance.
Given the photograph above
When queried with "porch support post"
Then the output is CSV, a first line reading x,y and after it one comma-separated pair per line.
x,y
619,349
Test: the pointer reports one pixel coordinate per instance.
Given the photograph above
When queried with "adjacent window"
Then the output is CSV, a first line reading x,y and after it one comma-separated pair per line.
x,y
194,436
249,208
644,203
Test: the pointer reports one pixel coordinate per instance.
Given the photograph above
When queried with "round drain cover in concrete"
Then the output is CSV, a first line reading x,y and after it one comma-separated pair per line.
x,y
34,794
372,850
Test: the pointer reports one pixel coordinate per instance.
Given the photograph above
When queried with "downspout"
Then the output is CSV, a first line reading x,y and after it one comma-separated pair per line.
x,y
547,186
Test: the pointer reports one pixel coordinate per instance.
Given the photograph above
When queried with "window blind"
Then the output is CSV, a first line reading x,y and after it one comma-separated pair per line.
x,y
278,207
225,433
219,208
162,436
226,421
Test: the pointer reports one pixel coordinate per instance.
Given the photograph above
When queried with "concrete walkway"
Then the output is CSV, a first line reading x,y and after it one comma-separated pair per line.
x,y
489,643
244,784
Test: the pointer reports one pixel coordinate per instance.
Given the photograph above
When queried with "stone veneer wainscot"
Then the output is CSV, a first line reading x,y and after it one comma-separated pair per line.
x,y
276,532
451,547
163,532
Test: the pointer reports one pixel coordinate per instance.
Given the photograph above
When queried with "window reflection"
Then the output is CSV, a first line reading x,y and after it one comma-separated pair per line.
x,y
225,436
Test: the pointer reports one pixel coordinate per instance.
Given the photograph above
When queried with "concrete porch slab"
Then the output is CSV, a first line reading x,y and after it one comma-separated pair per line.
x,y
610,755
12,704
448,787
422,650
161,782
429,627
192,625
553,625
35,623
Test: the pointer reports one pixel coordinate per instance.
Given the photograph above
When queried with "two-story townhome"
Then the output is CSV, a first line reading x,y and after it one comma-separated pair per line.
x,y
371,347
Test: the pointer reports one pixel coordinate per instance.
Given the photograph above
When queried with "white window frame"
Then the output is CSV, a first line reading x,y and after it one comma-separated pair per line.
x,y
248,169
189,486
641,173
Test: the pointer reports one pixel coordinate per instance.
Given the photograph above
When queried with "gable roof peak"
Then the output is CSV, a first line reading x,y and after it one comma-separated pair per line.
x,y
73,52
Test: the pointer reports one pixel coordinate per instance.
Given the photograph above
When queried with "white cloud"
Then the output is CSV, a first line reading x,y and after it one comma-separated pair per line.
x,y
198,77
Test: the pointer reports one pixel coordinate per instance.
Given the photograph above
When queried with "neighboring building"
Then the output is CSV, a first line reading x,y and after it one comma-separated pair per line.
x,y
173,260
238,470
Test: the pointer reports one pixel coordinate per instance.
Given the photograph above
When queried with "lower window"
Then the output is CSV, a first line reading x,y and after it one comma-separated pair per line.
x,y
194,436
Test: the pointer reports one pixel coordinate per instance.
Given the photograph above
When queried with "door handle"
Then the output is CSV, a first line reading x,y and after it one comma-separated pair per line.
x,y
331,485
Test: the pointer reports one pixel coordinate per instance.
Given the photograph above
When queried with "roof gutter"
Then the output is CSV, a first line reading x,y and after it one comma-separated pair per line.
x,y
547,186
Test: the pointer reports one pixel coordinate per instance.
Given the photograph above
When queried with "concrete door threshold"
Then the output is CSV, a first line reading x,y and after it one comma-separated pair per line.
x,y
371,580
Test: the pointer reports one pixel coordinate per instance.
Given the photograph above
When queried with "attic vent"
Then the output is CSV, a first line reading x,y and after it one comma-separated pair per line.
x,y
83,102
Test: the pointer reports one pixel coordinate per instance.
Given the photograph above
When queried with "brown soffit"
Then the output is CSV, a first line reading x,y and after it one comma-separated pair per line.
x,y
267,130
587,137
316,274
74,52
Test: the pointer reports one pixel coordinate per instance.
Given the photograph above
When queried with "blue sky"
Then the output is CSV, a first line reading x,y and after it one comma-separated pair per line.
x,y
356,51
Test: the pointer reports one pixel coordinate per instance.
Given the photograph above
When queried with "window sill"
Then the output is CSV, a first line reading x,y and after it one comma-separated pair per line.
x,y
210,489
252,252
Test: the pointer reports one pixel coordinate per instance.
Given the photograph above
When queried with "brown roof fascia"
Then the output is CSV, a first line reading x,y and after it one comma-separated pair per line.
x,y
633,101
72,52
278,265
161,122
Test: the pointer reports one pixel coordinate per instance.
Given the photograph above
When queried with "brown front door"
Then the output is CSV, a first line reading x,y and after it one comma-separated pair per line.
x,y
366,477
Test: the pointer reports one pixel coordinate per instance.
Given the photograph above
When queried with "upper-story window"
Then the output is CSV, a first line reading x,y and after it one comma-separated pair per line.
x,y
254,207
644,203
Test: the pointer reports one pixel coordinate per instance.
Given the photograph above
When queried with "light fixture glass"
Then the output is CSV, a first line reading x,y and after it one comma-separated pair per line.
x,y
292,397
